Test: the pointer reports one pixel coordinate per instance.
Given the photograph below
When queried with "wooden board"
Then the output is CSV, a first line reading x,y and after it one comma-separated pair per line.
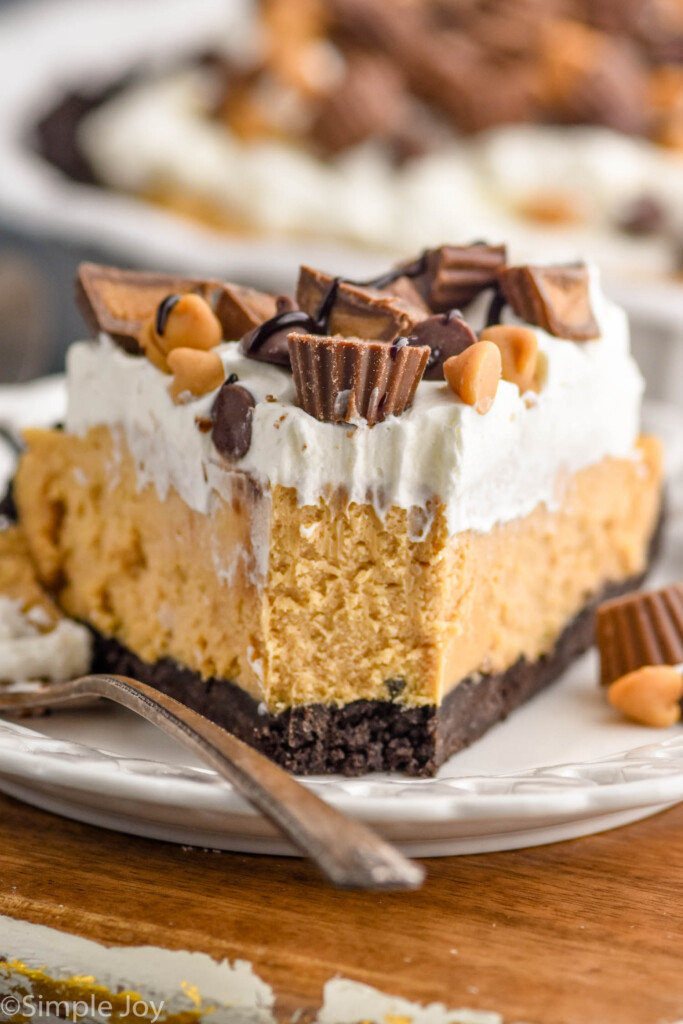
x,y
586,931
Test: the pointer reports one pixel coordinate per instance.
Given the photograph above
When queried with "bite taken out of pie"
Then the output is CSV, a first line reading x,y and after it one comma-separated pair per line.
x,y
356,527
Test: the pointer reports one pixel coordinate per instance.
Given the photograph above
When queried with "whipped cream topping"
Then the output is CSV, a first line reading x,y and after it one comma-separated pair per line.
x,y
26,653
484,469
158,133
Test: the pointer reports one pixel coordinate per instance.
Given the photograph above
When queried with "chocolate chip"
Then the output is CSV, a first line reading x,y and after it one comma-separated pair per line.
x,y
643,216
556,298
447,334
232,415
456,274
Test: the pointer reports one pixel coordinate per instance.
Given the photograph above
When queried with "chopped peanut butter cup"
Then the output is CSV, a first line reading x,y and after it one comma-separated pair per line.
x,y
638,630
119,302
556,298
342,379
240,309
360,311
455,274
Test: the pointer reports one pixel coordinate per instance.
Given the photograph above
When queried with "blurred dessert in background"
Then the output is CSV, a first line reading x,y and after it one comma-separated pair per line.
x,y
557,123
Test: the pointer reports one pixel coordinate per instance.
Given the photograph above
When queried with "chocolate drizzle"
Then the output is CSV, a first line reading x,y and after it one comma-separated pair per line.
x,y
319,323
164,311
496,307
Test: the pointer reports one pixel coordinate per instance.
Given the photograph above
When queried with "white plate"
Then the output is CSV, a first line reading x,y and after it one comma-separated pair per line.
x,y
564,765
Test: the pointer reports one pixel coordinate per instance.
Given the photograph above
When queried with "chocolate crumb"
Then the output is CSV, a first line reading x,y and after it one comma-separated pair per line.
x,y
395,686
203,423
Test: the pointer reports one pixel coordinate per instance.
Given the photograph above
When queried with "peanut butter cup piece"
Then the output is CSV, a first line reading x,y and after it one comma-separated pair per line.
x,y
232,416
358,311
640,629
455,274
369,102
343,379
240,309
447,335
556,298
119,302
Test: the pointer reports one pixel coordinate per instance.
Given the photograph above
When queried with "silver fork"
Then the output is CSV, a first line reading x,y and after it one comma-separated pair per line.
x,y
348,854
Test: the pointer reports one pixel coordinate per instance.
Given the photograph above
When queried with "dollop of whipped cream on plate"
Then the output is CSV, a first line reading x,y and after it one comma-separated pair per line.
x,y
28,652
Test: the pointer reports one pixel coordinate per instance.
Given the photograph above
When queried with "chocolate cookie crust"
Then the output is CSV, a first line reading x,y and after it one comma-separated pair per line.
x,y
366,735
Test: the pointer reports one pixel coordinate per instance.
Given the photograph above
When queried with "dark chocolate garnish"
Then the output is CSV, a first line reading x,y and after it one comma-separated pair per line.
x,y
455,274
232,415
447,334
556,298
342,379
268,341
164,311
496,307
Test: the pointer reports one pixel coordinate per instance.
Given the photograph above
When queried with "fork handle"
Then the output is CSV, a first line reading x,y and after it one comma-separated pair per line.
x,y
348,854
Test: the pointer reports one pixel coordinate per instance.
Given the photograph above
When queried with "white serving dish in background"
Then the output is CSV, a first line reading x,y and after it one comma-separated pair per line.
x,y
81,43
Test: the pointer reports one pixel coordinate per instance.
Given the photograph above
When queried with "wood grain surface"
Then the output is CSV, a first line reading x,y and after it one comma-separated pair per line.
x,y
586,931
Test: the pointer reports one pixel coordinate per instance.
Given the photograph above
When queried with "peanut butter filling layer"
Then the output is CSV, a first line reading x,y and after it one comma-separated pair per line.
x,y
351,607
18,579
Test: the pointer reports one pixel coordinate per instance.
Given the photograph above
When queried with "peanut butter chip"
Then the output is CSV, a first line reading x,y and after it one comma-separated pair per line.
x,y
180,321
651,695
189,323
195,372
474,374
518,351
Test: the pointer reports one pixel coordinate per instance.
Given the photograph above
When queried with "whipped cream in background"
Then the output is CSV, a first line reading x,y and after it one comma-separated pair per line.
x,y
157,133
485,469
